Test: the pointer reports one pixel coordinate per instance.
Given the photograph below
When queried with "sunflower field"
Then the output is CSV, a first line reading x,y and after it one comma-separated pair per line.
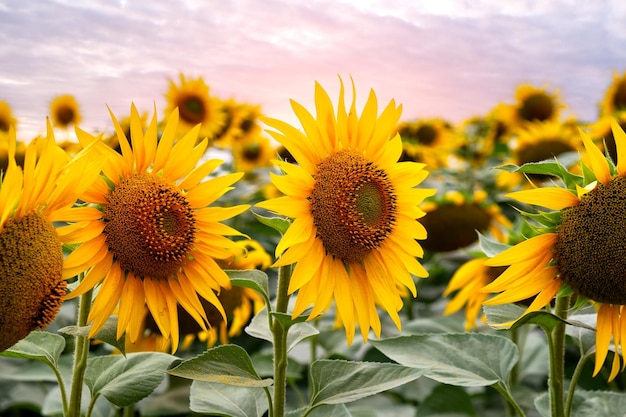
x,y
209,259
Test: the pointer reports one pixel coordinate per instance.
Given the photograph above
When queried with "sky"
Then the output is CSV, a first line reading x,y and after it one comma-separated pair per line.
x,y
450,59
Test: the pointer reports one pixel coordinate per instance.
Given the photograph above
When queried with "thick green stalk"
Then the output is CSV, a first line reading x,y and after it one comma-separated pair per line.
x,y
81,354
280,343
556,345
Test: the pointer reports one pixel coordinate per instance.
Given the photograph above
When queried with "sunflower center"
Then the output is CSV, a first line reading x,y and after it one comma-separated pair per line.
x,y
591,247
150,226
353,205
537,107
192,110
450,227
619,99
65,115
31,288
4,124
251,152
426,134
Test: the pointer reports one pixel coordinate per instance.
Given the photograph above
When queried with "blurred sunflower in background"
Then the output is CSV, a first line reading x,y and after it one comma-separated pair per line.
x,y
429,141
535,142
578,246
354,237
151,236
252,153
534,104
196,107
453,219
65,111
7,121
32,268
615,96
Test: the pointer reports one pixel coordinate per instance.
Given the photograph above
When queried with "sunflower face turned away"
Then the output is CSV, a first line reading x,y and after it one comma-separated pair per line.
x,y
32,289
582,247
154,240
354,234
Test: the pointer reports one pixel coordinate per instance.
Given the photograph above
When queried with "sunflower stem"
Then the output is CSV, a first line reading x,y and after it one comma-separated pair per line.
x,y
556,345
280,343
81,353
574,382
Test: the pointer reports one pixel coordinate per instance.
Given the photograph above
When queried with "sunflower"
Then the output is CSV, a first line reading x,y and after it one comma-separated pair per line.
x,y
152,237
6,118
252,153
32,287
466,284
64,111
112,141
430,141
602,134
615,96
452,221
535,142
533,104
354,237
196,107
580,246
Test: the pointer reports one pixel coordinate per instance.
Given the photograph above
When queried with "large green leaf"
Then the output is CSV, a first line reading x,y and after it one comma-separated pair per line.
x,y
38,345
251,278
126,380
468,359
338,381
511,316
601,404
227,400
226,364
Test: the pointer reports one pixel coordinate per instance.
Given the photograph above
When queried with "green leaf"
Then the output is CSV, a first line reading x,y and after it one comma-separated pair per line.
x,y
107,334
251,278
468,359
509,316
334,410
38,345
337,381
297,330
126,380
490,247
227,400
279,224
447,400
601,404
226,364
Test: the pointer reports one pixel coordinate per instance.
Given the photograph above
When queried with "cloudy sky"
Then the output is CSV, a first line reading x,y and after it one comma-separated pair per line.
x,y
439,58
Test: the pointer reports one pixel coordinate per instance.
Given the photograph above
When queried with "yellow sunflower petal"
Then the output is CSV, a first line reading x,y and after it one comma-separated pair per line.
x,y
597,159
603,335
106,301
620,144
299,231
549,197
528,249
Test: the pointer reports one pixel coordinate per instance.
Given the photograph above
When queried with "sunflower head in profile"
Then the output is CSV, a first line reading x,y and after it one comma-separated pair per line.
x,y
579,246
151,234
429,141
191,99
354,238
453,219
534,104
535,142
615,96
64,111
32,288
7,121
